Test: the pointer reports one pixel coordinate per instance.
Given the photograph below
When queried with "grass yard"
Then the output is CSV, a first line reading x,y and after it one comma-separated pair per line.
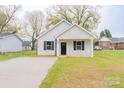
x,y
105,69
17,54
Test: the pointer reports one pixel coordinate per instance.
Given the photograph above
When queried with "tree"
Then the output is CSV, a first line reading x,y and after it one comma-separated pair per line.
x,y
102,34
105,33
108,34
7,16
33,25
86,16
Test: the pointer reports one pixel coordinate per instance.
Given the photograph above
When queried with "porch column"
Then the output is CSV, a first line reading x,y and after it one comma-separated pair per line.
x,y
91,47
58,47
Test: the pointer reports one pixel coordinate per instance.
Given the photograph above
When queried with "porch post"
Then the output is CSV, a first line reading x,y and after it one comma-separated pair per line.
x,y
91,47
57,48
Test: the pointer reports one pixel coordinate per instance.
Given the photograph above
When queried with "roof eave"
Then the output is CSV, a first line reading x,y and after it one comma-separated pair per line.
x,y
42,34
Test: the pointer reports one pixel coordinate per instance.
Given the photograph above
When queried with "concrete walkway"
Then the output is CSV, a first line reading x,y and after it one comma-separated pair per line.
x,y
24,72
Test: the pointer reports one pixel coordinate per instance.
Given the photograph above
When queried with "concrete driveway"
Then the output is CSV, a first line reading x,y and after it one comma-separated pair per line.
x,y
24,72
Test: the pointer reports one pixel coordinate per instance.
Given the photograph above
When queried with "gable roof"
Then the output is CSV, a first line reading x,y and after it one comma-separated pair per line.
x,y
8,34
91,34
113,40
117,40
45,32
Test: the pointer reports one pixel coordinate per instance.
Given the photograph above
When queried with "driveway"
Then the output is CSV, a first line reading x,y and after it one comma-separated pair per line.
x,y
24,72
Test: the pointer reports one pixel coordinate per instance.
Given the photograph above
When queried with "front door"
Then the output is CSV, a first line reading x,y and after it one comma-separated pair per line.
x,y
63,48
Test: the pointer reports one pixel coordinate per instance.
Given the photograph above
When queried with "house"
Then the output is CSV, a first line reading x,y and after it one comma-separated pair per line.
x,y
26,45
118,43
105,43
112,43
66,39
10,42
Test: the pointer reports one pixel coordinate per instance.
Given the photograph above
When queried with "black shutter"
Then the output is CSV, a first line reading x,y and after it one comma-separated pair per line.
x,y
74,45
52,45
82,45
44,45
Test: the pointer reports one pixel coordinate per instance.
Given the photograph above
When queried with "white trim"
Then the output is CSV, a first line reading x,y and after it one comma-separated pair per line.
x,y
78,45
43,33
46,46
92,47
86,31
78,27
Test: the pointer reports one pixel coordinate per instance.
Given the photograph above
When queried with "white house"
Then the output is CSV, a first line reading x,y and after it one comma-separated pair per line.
x,y
66,39
10,42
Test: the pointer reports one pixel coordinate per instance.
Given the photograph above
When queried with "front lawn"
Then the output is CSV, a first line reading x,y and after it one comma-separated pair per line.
x,y
17,54
105,69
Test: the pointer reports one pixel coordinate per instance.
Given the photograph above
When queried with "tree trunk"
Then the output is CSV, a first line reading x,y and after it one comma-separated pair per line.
x,y
33,45
33,42
1,29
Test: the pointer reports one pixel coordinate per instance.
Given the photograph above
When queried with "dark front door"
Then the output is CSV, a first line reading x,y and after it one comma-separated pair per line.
x,y
63,48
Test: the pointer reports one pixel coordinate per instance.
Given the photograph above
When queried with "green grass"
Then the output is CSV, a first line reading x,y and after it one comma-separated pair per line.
x,y
17,54
105,69
115,80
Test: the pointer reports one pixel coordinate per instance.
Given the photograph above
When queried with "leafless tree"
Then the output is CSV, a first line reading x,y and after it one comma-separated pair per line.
x,y
33,25
86,16
7,16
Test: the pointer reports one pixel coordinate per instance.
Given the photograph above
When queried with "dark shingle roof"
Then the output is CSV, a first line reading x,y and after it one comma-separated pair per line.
x,y
117,40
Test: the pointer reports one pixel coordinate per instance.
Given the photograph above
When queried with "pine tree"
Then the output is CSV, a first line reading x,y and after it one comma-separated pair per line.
x,y
105,33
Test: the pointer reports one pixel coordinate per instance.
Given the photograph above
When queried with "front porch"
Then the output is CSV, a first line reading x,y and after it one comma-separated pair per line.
x,y
81,48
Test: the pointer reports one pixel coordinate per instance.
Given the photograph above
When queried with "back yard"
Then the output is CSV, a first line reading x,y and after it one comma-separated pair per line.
x,y
105,69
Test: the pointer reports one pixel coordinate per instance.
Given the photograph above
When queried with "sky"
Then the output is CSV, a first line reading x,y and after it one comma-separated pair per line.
x,y
111,17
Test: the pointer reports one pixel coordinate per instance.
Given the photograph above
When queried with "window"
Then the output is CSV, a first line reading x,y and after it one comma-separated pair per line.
x,y
78,45
48,45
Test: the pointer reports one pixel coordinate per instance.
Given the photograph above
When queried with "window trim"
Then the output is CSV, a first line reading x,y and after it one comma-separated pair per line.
x,y
77,45
82,45
46,45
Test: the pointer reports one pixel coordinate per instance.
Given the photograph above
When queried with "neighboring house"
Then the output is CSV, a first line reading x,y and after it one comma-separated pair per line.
x,y
26,45
118,43
10,42
105,43
66,39
113,43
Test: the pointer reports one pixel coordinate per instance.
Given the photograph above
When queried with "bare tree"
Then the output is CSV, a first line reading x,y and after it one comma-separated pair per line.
x,y
33,25
7,16
86,16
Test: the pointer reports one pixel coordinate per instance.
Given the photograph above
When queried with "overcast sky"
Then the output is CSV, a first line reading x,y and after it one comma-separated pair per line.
x,y
111,18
